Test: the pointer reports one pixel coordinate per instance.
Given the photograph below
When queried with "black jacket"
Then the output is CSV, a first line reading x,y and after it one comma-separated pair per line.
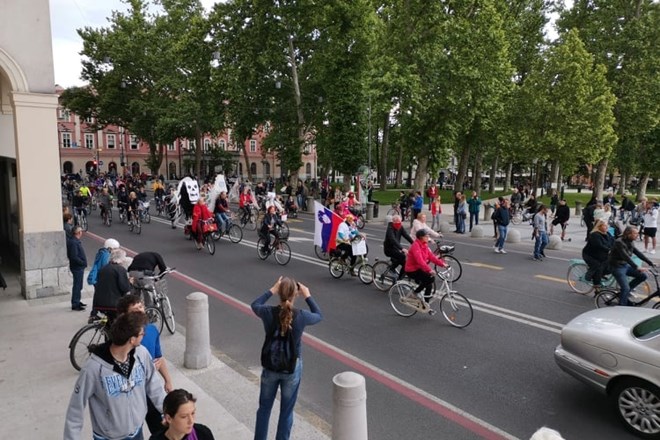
x,y
598,246
111,285
563,213
147,261
392,241
501,216
622,253
76,254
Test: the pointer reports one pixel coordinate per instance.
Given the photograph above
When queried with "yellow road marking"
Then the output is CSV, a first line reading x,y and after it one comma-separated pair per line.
x,y
485,266
545,277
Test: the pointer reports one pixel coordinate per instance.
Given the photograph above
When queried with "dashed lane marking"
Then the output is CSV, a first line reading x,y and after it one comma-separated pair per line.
x,y
485,266
545,277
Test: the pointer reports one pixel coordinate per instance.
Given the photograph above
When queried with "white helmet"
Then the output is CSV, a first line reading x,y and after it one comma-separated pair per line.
x,y
111,243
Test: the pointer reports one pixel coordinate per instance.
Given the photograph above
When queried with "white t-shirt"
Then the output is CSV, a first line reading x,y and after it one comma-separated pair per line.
x,y
651,218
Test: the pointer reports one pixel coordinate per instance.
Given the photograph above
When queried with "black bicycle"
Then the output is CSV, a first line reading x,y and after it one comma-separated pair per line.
x,y
610,297
278,247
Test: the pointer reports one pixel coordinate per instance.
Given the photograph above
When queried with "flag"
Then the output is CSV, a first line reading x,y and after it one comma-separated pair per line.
x,y
326,224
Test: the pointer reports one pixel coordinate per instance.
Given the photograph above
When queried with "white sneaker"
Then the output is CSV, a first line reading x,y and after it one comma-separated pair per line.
x,y
496,249
646,251
502,251
653,251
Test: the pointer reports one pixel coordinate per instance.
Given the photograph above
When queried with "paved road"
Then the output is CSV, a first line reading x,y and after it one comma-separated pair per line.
x,y
495,379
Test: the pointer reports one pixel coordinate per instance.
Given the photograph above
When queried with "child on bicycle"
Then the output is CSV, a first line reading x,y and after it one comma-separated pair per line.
x,y
417,264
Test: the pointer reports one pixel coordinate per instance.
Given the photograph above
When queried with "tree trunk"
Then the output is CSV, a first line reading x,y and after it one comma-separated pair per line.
x,y
554,175
623,180
493,175
399,168
246,160
409,176
462,167
507,179
599,179
643,183
476,174
198,151
383,171
422,171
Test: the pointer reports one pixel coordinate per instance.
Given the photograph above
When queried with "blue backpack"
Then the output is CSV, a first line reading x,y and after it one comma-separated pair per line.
x,y
102,258
279,353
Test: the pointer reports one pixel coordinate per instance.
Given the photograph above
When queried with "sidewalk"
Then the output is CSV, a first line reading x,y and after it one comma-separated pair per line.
x,y
36,377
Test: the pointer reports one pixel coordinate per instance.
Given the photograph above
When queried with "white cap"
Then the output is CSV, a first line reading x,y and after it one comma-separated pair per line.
x,y
111,243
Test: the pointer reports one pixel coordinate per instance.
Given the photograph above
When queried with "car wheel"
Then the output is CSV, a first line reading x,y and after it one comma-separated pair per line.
x,y
637,403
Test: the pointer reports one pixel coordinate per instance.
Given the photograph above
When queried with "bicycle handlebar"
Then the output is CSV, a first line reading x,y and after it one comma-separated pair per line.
x,y
160,275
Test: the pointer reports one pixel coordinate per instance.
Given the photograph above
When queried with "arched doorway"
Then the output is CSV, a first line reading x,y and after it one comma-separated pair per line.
x,y
90,167
253,169
308,170
172,170
67,167
112,168
135,169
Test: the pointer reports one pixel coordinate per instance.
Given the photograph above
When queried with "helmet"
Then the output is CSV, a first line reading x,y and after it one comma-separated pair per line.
x,y
111,243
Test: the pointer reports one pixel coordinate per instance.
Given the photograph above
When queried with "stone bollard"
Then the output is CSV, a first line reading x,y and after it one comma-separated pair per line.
x,y
198,341
349,407
310,205
488,211
513,236
445,227
370,210
477,232
554,242
578,208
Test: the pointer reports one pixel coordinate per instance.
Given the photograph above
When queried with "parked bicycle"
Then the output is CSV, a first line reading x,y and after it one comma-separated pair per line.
x,y
153,290
610,297
278,247
455,307
578,282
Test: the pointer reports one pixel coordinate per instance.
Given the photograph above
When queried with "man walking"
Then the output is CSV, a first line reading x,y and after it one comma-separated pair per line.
x,y
77,265
540,233
501,218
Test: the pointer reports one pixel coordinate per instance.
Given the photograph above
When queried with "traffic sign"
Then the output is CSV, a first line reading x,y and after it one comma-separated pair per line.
x,y
100,162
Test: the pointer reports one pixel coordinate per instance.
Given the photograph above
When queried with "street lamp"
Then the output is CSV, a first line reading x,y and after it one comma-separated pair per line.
x,y
121,151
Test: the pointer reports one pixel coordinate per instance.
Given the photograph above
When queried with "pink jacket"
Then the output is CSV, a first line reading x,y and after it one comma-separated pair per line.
x,y
418,257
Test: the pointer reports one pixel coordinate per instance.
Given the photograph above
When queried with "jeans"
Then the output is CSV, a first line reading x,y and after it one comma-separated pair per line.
x,y
78,275
288,384
621,274
540,244
474,219
460,226
221,220
501,230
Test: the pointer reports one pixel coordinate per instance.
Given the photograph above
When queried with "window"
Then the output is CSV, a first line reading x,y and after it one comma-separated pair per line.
x,y
89,140
223,145
134,142
207,144
253,146
89,120
66,140
191,144
308,169
170,147
63,114
253,168
111,142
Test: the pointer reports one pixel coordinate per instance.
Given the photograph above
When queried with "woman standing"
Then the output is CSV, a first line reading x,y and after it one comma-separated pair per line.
x,y
436,211
285,318
179,418
462,215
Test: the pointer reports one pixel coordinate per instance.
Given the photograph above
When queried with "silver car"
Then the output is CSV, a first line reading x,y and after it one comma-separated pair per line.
x,y
617,351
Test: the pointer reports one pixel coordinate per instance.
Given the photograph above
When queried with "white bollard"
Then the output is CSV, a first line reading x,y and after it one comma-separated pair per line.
x,y
198,340
554,242
513,235
349,408
477,232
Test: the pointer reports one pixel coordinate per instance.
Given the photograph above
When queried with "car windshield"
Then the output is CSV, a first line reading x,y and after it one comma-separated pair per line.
x,y
647,329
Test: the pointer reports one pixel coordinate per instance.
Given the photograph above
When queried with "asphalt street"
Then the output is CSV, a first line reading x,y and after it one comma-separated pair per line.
x,y
425,379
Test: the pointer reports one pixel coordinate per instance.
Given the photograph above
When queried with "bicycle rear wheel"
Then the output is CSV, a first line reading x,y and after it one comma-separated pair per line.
x,y
235,234
401,295
138,225
83,343
576,279
607,298
83,223
282,253
456,309
336,267
262,250
209,243
155,317
454,271
318,250
168,314
366,273
384,277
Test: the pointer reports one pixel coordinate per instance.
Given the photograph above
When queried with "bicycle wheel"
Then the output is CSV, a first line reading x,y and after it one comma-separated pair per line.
x,y
456,309
155,317
147,217
366,273
168,314
454,270
607,298
516,218
284,231
84,341
283,253
262,251
576,279
138,226
318,250
359,222
215,235
130,225
401,295
83,223
336,267
384,277
252,220
235,234
209,243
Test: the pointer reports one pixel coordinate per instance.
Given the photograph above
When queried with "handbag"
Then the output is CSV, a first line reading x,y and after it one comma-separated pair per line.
x,y
209,226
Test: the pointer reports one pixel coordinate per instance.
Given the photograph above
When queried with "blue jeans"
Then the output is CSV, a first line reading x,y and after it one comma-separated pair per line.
x,y
460,227
270,382
540,244
501,230
621,274
78,275
474,219
221,220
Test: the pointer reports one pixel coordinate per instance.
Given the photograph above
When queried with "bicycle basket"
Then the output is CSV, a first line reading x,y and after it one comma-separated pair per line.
x,y
209,226
161,287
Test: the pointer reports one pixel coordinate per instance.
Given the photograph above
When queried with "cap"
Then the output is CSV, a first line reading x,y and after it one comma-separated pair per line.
x,y
421,233
111,243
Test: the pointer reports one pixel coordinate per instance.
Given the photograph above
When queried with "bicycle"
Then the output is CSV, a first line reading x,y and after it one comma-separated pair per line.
x,y
610,297
249,219
160,206
444,250
107,216
576,276
153,290
396,209
86,339
455,307
135,224
320,253
145,217
384,276
81,218
208,228
232,230
279,247
338,265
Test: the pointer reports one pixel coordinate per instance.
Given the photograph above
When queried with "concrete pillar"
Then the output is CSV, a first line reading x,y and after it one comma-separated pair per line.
x,y
578,208
198,341
513,235
554,242
477,232
370,210
310,204
488,211
349,407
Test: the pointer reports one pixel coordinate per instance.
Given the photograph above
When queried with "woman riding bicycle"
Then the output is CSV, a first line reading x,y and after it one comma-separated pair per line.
x,y
269,226
200,214
346,232
417,263
596,251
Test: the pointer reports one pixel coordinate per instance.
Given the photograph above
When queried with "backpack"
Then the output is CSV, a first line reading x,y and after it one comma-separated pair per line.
x,y
279,353
102,258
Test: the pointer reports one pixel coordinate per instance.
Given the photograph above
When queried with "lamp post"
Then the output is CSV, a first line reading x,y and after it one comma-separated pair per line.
x,y
122,162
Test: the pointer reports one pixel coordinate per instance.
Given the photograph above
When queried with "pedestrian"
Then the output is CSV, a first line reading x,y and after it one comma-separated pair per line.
x,y
554,201
112,283
101,259
501,218
417,206
77,264
650,227
432,193
150,341
562,216
540,223
474,205
462,215
179,419
436,211
115,382
287,321
67,219
457,200
622,265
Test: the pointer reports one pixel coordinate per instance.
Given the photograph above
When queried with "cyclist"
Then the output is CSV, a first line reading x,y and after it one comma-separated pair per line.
x,y
516,200
420,223
147,262
392,244
596,252
200,214
104,201
142,193
111,284
133,206
84,191
346,232
221,211
122,198
622,265
268,226
417,264
244,202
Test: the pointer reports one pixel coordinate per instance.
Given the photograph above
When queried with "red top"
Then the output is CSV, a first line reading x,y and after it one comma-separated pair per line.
x,y
200,212
432,192
244,199
436,209
418,257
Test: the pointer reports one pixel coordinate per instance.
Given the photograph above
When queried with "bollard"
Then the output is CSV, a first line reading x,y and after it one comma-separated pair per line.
x,y
370,210
198,342
488,208
578,208
310,205
349,407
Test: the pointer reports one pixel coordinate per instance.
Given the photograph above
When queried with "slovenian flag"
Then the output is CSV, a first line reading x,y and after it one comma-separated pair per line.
x,y
326,224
